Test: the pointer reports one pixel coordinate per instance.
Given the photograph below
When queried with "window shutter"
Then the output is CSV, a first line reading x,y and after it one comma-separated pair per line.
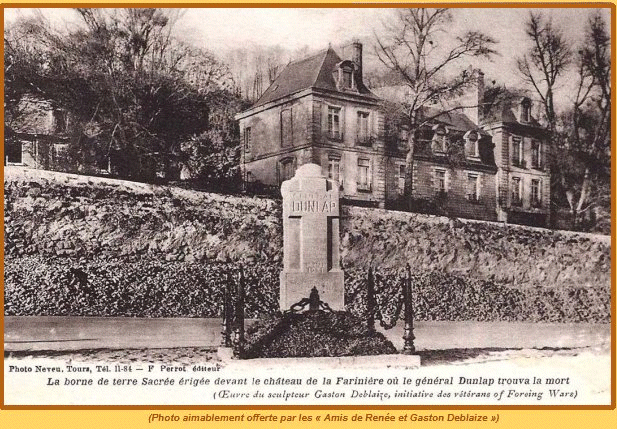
x,y
341,122
480,180
317,126
324,119
341,172
286,127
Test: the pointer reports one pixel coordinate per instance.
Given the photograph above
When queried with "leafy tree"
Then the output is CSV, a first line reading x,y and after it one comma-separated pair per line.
x,y
414,49
212,159
135,92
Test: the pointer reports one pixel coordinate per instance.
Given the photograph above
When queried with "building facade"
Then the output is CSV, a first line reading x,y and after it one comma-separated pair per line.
x,y
319,110
454,171
37,136
521,154
467,163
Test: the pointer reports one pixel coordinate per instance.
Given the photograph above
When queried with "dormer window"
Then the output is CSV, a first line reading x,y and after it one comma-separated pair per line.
x,y
344,75
472,143
59,121
347,78
526,110
438,144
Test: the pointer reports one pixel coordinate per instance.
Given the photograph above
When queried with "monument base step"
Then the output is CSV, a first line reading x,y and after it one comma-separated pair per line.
x,y
398,361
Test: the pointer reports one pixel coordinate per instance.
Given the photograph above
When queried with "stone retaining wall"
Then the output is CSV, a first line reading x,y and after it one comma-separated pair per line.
x,y
74,219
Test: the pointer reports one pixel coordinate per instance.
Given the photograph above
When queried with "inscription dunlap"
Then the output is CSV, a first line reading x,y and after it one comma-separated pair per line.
x,y
311,238
308,202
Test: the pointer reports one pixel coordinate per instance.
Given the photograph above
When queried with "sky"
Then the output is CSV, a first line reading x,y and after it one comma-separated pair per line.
x,y
222,29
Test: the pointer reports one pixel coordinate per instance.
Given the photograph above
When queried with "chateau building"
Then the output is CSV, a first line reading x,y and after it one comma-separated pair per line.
x,y
454,170
475,162
319,110
521,152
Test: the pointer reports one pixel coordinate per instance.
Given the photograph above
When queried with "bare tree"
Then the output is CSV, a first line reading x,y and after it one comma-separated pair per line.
x,y
418,50
587,130
545,61
254,69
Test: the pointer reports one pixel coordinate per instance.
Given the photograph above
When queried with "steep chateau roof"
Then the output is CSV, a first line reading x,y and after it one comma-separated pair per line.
x,y
313,72
454,119
506,111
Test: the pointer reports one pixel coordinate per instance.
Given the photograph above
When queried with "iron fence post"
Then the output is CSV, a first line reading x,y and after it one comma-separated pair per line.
x,y
227,314
408,336
239,318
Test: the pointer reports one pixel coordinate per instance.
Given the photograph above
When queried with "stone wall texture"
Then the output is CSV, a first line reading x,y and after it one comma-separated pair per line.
x,y
69,221
508,254
71,216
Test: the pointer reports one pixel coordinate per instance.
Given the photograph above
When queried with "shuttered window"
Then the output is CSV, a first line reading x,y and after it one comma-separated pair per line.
x,y
536,197
516,191
286,128
363,135
334,122
364,174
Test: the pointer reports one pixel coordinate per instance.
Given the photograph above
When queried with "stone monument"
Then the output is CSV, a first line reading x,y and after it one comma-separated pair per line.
x,y
311,239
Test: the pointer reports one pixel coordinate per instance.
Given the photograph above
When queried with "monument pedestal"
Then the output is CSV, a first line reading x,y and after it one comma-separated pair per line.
x,y
311,239
297,285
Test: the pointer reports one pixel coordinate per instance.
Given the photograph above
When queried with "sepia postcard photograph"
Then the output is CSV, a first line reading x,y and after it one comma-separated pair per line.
x,y
348,207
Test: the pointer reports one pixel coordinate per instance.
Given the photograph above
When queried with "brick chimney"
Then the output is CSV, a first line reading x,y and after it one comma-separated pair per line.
x,y
474,97
357,57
